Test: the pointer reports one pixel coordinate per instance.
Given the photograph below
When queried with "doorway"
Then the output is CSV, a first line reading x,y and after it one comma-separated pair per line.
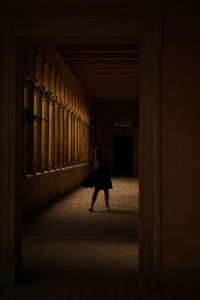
x,y
123,155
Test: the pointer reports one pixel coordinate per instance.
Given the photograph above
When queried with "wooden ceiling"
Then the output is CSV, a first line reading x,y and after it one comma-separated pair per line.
x,y
107,73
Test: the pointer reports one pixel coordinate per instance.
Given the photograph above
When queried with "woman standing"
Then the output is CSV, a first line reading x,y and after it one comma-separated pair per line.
x,y
102,177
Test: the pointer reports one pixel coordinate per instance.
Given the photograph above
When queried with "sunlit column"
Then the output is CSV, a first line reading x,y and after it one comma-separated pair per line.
x,y
69,136
51,132
37,128
81,140
28,125
65,136
73,137
87,142
45,130
57,134
61,135
76,138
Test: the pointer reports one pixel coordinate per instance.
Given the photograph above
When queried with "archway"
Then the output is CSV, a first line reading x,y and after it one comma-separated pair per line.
x,y
147,33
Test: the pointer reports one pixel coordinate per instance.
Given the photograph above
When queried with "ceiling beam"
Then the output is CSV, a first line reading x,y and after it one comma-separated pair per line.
x,y
105,72
100,56
100,48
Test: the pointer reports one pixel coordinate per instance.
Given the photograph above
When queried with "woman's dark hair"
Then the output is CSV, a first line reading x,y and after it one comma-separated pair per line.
x,y
100,153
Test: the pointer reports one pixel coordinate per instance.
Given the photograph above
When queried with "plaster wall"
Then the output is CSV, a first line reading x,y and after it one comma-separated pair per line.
x,y
180,144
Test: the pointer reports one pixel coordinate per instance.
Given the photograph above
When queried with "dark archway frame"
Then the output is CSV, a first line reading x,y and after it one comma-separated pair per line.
x,y
81,31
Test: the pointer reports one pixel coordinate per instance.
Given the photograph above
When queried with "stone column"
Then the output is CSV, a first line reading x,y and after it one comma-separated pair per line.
x,y
37,129
57,134
82,141
51,133
61,135
28,125
69,146
72,138
87,142
65,137
80,146
45,131
76,138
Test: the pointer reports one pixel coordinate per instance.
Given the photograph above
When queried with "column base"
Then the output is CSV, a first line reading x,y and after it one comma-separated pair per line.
x,y
45,170
29,172
38,171
57,167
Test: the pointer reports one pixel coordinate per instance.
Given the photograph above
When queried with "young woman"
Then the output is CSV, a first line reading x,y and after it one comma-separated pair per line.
x,y
102,177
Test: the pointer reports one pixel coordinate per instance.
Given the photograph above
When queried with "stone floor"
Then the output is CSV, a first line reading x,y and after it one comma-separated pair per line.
x,y
69,246
71,253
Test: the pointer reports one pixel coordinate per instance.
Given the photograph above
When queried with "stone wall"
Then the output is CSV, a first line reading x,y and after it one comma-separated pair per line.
x,y
38,190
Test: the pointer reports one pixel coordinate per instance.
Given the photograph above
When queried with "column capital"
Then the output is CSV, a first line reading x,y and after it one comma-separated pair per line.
x,y
52,99
68,111
58,103
46,96
39,88
69,108
62,105
65,107
28,80
72,112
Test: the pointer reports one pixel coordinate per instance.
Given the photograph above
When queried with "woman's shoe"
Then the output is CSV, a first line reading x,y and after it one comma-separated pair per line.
x,y
90,209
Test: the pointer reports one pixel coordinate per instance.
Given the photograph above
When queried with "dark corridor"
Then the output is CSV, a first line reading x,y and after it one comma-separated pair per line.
x,y
123,155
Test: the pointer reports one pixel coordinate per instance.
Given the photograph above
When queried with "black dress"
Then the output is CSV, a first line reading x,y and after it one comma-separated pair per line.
x,y
102,177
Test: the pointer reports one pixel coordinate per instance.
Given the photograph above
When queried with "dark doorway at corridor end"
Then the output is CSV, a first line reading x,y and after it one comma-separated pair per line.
x,y
123,155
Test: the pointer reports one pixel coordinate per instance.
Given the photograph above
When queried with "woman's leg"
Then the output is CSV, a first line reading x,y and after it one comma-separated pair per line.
x,y
106,193
94,198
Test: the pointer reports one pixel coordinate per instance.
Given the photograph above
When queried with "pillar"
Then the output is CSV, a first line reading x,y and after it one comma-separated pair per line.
x,y
80,147
45,131
37,129
72,138
65,136
76,138
57,134
82,142
61,135
51,132
69,136
28,125
87,142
